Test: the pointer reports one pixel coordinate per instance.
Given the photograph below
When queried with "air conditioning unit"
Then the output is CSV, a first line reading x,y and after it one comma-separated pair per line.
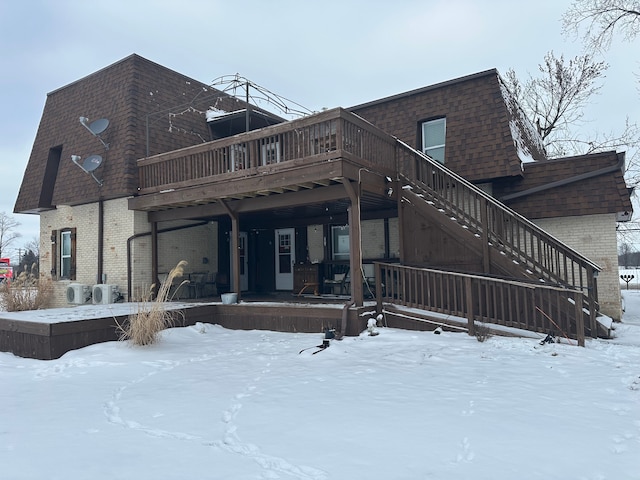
x,y
103,294
78,294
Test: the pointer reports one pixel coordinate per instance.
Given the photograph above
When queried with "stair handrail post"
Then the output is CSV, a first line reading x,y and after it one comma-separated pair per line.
x,y
468,287
378,277
579,301
592,286
484,220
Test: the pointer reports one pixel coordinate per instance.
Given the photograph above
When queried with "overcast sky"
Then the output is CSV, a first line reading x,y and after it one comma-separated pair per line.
x,y
320,54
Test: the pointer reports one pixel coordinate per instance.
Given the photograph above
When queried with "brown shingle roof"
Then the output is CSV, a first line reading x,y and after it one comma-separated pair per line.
x,y
583,185
479,138
125,93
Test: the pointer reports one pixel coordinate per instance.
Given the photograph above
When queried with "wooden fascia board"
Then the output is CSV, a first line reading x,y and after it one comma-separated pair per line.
x,y
213,191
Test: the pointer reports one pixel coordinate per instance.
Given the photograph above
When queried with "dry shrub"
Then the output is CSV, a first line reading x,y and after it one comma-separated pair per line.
x,y
483,332
26,292
144,326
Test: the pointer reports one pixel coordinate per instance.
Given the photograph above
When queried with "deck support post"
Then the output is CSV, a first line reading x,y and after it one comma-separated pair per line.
x,y
235,248
355,243
154,259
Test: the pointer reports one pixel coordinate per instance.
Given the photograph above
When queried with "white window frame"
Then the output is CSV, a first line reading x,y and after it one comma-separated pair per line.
x,y
428,149
65,267
270,153
340,247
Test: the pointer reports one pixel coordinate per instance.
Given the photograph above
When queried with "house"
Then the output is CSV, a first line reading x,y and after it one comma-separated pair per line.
x,y
129,175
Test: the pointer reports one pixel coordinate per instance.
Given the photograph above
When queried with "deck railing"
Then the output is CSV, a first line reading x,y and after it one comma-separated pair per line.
x,y
540,255
331,134
479,299
338,134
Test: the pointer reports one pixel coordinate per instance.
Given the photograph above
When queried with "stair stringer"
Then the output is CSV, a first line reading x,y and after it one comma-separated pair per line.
x,y
500,262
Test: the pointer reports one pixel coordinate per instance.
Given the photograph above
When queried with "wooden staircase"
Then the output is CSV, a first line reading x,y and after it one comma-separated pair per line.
x,y
511,246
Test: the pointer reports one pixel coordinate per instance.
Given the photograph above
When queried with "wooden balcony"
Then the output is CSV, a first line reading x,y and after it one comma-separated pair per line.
x,y
318,150
281,166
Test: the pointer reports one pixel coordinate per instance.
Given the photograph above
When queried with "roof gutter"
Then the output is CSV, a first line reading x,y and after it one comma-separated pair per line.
x,y
567,181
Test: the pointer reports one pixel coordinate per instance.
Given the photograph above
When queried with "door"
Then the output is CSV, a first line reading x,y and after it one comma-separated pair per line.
x,y
285,258
244,262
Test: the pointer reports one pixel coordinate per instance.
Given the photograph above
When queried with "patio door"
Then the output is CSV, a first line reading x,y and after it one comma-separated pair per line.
x,y
244,262
285,258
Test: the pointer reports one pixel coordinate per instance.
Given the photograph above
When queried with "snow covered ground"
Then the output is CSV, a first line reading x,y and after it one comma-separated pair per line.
x,y
220,404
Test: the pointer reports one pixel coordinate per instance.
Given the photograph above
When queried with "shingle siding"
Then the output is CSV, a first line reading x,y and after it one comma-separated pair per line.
x,y
602,193
125,93
479,144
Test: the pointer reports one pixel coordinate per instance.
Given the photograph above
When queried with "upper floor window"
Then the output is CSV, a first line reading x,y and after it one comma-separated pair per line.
x,y
433,138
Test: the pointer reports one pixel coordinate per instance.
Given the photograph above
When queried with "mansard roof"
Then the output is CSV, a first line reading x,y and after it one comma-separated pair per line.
x,y
133,94
487,135
152,109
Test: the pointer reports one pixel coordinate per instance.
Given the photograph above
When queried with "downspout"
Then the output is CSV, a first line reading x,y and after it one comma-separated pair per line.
x,y
100,275
146,234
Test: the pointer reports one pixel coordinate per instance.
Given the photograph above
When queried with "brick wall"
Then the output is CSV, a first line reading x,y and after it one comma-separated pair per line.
x,y
118,226
315,243
196,245
594,236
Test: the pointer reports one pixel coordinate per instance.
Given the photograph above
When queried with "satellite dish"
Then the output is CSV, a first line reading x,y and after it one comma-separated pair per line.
x,y
91,163
98,126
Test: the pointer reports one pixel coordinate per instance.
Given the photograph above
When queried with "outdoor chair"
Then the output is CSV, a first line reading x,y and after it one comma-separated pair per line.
x,y
196,284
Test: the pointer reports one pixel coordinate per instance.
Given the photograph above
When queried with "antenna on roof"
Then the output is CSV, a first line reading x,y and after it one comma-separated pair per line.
x,y
91,163
96,128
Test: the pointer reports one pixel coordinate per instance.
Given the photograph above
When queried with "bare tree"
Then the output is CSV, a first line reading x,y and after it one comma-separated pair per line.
x,y
600,20
555,100
33,245
8,224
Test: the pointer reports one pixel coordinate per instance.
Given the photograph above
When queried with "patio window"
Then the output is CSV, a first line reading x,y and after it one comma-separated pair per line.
x,y
433,138
340,242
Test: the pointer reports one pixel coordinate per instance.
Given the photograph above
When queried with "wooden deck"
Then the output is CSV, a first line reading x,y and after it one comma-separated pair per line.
x,y
49,334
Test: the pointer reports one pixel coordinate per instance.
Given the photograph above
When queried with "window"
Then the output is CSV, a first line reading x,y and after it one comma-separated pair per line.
x,y
433,138
63,254
238,157
270,152
340,243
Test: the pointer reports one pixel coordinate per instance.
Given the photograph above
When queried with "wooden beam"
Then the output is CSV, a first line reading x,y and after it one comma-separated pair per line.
x,y
154,258
235,248
355,243
303,197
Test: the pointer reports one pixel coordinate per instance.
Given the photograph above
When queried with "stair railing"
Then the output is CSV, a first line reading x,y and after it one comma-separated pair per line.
x,y
536,251
483,300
